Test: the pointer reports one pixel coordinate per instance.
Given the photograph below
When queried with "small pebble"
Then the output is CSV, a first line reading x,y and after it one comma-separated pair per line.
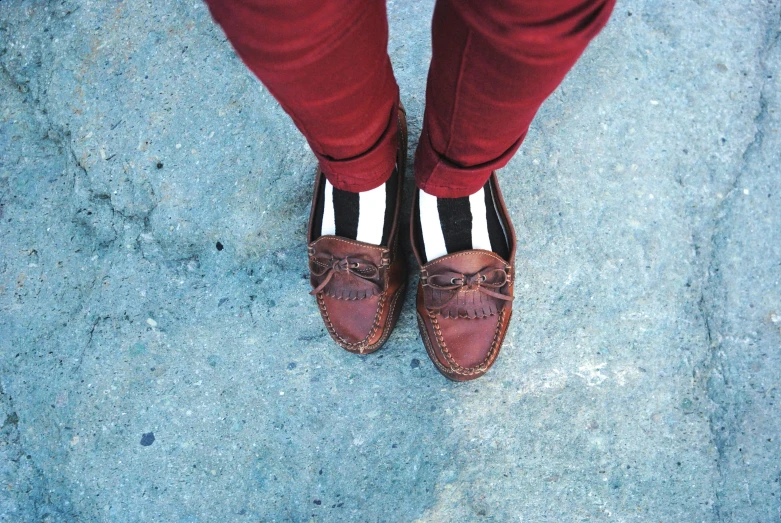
x,y
152,323
147,439
415,363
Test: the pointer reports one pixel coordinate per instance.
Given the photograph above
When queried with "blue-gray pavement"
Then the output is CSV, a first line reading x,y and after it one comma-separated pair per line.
x,y
162,361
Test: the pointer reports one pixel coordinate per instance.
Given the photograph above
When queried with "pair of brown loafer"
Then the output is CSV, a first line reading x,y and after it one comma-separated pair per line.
x,y
463,299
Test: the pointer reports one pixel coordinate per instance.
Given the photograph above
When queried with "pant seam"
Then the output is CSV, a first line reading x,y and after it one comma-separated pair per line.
x,y
457,96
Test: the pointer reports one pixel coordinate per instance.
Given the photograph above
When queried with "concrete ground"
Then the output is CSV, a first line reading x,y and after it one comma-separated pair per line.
x,y
162,361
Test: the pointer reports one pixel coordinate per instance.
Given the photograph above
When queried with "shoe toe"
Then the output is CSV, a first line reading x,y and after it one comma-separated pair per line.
x,y
464,348
353,324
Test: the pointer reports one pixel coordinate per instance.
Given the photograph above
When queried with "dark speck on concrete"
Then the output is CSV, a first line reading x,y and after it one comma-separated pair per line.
x,y
147,439
317,502
159,165
415,363
292,365
11,419
220,246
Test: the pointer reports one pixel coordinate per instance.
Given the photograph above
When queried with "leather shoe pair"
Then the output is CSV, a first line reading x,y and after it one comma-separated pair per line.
x,y
463,299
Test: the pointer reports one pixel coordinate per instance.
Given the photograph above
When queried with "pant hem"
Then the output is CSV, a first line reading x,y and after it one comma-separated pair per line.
x,y
368,170
441,177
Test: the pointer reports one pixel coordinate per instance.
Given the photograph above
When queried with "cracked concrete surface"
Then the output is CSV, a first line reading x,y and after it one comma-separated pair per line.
x,y
640,374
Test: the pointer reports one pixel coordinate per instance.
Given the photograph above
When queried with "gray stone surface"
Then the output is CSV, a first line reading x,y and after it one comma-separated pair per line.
x,y
640,375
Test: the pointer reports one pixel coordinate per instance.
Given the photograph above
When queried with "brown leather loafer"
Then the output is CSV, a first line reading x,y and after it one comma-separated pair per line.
x,y
360,287
464,302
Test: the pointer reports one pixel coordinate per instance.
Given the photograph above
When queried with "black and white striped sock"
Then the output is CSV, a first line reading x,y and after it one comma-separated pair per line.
x,y
364,216
447,225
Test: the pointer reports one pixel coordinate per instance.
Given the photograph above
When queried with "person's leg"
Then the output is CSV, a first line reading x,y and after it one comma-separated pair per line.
x,y
327,64
493,65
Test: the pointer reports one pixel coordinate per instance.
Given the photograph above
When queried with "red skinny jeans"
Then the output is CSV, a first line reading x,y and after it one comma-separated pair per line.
x,y
494,62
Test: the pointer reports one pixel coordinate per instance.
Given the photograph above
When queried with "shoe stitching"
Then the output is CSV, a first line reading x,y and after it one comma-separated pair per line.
x,y
430,350
360,345
454,366
388,326
352,242
467,253
347,299
324,265
386,331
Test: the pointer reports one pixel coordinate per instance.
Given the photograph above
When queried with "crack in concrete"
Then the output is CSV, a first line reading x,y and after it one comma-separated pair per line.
x,y
88,345
724,415
39,494
43,496
38,86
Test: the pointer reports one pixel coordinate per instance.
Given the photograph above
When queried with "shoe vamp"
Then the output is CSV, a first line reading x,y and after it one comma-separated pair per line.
x,y
468,340
353,320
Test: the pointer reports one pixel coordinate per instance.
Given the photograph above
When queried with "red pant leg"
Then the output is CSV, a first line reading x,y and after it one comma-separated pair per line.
x,y
327,64
494,63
